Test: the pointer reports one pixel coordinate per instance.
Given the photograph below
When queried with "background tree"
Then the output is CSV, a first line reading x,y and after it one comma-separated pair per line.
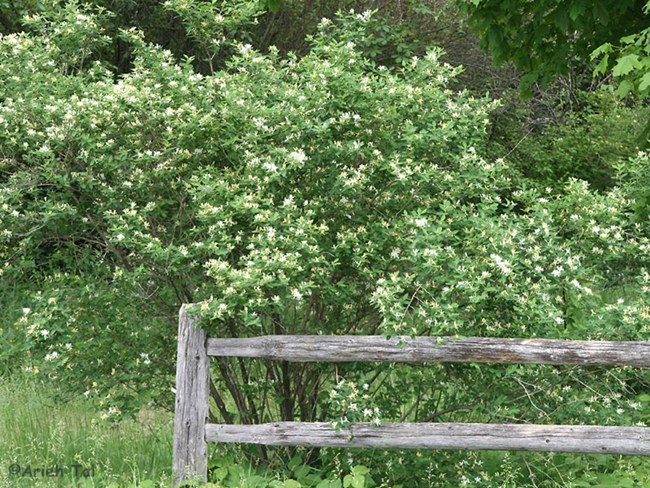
x,y
552,37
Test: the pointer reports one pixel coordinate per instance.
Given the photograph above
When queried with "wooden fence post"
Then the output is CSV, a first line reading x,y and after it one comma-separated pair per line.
x,y
191,409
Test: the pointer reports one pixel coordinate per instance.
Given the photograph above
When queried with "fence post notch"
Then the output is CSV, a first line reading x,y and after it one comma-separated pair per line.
x,y
191,408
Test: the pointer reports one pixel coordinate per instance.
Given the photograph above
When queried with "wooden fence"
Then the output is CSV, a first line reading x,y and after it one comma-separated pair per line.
x,y
192,432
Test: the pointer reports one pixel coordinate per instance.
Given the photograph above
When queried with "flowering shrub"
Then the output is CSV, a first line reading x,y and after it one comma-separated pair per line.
x,y
352,405
325,194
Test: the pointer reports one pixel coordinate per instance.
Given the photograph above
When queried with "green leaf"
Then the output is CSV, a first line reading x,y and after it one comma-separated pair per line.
x,y
576,10
220,473
625,87
292,484
602,49
360,470
629,39
645,82
601,67
359,482
625,64
294,462
302,471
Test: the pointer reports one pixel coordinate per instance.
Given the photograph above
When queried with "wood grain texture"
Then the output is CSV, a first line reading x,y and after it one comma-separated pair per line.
x,y
422,349
190,457
513,437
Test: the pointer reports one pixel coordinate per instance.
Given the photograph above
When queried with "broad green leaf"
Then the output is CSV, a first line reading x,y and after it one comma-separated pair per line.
x,y
625,87
220,473
629,39
292,484
603,49
301,471
576,10
601,67
626,64
359,482
294,462
645,82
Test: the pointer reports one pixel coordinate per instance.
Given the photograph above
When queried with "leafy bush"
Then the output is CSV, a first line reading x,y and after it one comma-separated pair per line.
x,y
563,134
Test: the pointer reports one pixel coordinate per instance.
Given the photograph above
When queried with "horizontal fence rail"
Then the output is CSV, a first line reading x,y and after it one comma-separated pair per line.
x,y
192,431
304,348
513,437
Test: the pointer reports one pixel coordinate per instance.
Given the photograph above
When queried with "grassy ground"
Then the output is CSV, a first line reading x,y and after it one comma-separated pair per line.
x,y
80,450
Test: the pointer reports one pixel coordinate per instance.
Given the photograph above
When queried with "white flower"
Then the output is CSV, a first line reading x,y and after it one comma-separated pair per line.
x,y
270,167
51,356
501,263
420,222
26,310
119,237
299,156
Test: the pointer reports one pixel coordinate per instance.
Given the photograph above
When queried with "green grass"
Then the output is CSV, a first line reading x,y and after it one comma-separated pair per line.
x,y
36,432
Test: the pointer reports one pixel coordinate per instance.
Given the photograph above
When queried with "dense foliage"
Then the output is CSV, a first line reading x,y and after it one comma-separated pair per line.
x,y
551,37
323,193
563,134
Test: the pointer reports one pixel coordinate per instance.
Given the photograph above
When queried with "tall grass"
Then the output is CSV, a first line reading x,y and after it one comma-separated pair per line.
x,y
72,441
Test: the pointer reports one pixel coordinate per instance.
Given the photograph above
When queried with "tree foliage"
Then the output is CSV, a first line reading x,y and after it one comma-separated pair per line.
x,y
628,59
547,38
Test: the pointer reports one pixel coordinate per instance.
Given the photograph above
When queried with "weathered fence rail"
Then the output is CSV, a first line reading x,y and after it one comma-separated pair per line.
x,y
192,432
565,438
434,349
